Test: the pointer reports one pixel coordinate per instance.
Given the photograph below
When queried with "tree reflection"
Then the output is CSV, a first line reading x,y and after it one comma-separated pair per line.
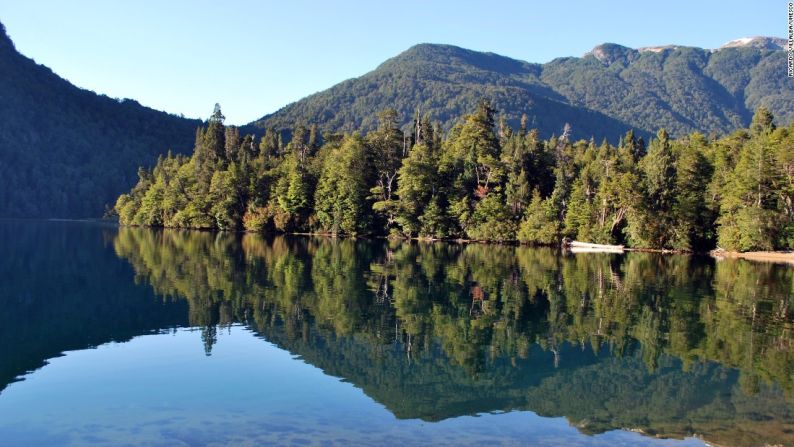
x,y
670,344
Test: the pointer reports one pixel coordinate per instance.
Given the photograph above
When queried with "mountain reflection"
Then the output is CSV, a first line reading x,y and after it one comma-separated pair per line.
x,y
669,345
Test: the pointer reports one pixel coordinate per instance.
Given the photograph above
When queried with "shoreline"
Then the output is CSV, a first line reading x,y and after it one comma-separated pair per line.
x,y
786,257
456,240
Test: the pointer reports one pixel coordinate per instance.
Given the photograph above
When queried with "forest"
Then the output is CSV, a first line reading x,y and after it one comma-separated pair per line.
x,y
482,180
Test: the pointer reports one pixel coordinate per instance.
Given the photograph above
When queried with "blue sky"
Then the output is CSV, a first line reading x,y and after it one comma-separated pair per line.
x,y
254,57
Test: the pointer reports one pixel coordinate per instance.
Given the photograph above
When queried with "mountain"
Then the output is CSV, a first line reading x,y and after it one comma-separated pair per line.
x,y
447,82
67,152
607,91
764,43
682,89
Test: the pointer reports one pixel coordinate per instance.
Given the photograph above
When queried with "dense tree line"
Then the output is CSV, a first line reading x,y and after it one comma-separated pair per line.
x,y
483,180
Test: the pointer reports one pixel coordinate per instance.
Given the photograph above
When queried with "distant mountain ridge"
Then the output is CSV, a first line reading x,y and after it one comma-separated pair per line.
x,y
446,82
609,90
762,42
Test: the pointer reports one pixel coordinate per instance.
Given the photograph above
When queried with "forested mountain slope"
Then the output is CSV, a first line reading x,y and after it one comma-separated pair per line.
x,y
682,89
445,82
66,151
604,93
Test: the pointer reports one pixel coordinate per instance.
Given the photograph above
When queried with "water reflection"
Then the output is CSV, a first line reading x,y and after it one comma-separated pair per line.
x,y
668,345
61,289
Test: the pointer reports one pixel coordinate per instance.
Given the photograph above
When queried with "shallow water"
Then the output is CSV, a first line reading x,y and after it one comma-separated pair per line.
x,y
131,336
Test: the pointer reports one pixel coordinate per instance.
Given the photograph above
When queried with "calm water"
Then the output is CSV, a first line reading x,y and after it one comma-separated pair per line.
x,y
137,337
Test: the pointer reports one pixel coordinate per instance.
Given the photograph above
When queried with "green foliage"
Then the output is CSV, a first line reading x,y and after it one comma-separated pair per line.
x,y
226,197
434,221
387,147
694,210
417,182
579,215
476,182
292,189
681,89
540,225
491,220
341,199
652,223
475,150
755,211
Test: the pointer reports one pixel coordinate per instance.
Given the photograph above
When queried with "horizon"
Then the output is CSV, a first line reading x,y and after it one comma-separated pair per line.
x,y
159,60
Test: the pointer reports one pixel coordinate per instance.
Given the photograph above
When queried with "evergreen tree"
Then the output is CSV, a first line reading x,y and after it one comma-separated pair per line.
x,y
269,145
433,222
694,216
491,220
517,193
341,200
231,144
227,196
416,186
293,195
579,215
539,226
749,217
387,149
652,223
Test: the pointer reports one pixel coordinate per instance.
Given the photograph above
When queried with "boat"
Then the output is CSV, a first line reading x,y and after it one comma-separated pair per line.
x,y
587,247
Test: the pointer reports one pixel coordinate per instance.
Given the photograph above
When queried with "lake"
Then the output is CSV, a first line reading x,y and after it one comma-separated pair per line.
x,y
131,336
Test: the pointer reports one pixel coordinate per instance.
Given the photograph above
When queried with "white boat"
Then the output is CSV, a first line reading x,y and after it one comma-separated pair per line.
x,y
587,247
595,250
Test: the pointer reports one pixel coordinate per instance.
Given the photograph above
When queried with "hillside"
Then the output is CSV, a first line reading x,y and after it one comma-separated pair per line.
x,y
682,89
602,94
446,82
67,152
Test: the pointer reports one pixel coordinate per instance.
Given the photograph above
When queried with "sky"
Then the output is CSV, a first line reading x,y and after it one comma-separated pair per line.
x,y
254,57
